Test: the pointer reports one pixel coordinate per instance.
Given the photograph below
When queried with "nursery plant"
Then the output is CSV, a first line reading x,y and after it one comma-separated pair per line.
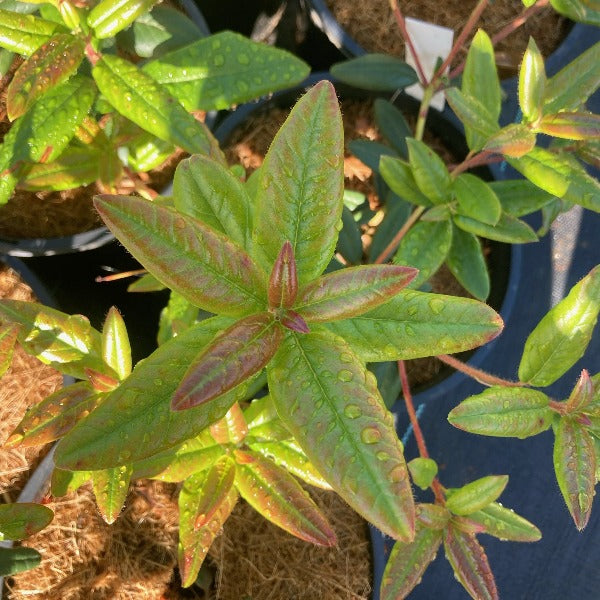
x,y
246,260
108,89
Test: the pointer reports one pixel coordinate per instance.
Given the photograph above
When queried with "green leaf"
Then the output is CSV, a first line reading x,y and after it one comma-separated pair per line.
x,y
194,542
109,17
475,495
425,247
177,316
208,191
289,455
16,560
480,80
476,118
370,152
264,423
581,395
429,171
574,83
278,497
561,337
423,471
578,10
408,562
225,69
330,402
377,72
146,283
467,263
417,324
476,199
504,412
136,96
349,243
135,421
301,186
188,256
51,64
116,349
508,229
505,524
6,61
110,489
575,467
54,416
470,564
545,169
399,176
232,357
392,124
24,34
532,82
67,342
520,197
571,125
350,292
396,213
8,339
75,167
147,152
21,520
433,516
64,482
514,140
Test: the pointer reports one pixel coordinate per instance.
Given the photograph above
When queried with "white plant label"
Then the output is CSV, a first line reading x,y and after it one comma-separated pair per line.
x,y
430,42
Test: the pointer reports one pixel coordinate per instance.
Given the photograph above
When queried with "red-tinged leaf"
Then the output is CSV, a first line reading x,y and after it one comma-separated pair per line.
x,y
215,489
134,421
276,495
116,349
52,63
232,428
110,489
21,520
288,454
504,412
571,126
475,495
8,339
467,525
505,524
201,264
330,402
582,394
433,516
194,543
408,562
470,564
294,322
351,292
235,355
54,416
301,185
575,467
514,140
100,381
283,283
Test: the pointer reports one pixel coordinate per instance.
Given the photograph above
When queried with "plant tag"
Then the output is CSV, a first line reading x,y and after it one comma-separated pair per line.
x,y
430,42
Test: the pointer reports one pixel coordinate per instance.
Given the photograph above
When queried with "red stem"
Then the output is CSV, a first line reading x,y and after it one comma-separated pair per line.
x,y
412,219
481,376
477,160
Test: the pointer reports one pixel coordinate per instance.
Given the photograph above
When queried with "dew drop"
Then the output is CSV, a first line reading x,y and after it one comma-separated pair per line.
x,y
382,455
218,60
436,305
345,375
370,435
352,411
397,474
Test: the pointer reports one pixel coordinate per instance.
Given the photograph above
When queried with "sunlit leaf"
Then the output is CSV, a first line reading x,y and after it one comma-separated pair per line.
x,y
64,482
24,34
561,337
8,339
475,495
330,402
232,428
532,82
584,11
505,524
116,349
110,489
108,17
21,520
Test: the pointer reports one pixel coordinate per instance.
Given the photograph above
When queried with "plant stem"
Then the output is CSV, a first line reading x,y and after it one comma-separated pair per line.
x,y
412,219
477,374
476,160
407,40
414,421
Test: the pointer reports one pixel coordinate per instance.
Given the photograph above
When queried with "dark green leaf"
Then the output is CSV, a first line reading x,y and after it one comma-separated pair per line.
x,y
520,197
301,185
561,337
396,213
330,402
476,199
378,72
475,495
416,324
349,243
21,520
201,264
370,152
505,524
509,229
225,69
467,263
429,171
504,412
393,126
16,560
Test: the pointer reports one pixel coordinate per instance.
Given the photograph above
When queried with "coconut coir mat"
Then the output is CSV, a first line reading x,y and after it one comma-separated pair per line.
x,y
372,24
86,559
26,383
